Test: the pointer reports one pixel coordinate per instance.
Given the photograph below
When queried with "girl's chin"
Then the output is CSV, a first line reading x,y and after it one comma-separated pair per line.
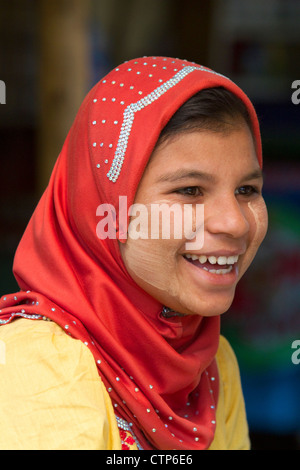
x,y
209,310
202,303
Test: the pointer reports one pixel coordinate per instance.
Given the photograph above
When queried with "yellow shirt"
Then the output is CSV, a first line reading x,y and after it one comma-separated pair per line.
x,y
51,396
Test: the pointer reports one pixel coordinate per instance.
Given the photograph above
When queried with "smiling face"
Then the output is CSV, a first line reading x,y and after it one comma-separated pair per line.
x,y
220,171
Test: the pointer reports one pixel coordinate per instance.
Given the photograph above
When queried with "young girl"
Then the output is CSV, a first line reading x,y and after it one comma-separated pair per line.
x,y
113,341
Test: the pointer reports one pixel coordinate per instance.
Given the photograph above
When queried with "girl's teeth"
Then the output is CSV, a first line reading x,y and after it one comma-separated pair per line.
x,y
220,271
221,261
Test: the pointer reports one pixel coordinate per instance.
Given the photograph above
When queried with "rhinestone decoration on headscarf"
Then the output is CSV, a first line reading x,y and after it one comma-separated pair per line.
x,y
157,69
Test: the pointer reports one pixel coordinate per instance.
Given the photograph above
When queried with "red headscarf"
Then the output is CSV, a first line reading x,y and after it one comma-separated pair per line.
x,y
160,372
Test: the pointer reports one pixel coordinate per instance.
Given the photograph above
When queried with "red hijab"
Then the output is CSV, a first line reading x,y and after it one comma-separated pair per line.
x,y
160,372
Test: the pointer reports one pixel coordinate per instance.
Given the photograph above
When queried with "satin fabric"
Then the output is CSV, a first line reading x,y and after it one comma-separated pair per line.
x,y
161,373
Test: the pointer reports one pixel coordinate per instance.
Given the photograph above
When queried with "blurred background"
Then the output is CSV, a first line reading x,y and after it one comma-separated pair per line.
x,y
53,51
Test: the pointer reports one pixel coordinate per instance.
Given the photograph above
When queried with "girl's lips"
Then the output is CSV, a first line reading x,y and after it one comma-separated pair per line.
x,y
214,273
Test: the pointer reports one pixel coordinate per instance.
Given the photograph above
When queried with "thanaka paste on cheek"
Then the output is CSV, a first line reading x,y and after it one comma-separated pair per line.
x,y
151,266
155,238
260,215
149,256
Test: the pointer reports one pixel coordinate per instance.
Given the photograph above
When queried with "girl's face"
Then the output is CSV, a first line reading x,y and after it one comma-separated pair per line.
x,y
221,172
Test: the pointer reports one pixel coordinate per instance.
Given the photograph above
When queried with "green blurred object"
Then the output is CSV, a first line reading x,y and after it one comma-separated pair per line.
x,y
7,281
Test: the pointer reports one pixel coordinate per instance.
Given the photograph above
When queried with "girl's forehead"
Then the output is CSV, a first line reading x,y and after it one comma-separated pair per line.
x,y
202,155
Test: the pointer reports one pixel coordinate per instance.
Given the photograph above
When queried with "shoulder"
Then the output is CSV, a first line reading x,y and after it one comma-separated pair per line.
x,y
229,372
33,344
232,427
226,359
51,395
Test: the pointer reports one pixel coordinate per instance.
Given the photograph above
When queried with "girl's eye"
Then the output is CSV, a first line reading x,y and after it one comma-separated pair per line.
x,y
246,190
189,191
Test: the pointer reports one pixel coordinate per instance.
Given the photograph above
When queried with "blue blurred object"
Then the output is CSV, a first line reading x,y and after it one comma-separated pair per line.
x,y
272,400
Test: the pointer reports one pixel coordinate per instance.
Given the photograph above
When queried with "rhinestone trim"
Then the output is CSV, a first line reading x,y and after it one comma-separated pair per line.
x,y
122,424
168,313
129,114
20,314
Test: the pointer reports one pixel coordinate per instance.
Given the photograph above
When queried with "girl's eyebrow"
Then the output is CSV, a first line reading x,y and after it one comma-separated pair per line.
x,y
182,174
254,175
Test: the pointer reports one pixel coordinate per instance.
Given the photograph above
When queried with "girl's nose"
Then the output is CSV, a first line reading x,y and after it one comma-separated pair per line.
x,y
226,216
